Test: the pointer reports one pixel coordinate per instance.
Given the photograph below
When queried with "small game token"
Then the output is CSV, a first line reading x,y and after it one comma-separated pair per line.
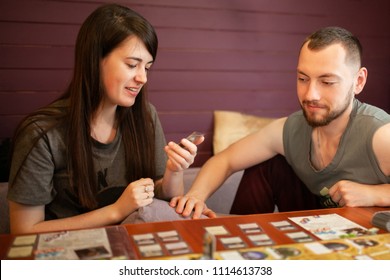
x,y
209,244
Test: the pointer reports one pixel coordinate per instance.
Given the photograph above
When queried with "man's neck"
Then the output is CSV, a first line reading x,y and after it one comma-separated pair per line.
x,y
326,140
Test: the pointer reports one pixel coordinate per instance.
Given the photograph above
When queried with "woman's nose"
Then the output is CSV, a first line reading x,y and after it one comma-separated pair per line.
x,y
141,76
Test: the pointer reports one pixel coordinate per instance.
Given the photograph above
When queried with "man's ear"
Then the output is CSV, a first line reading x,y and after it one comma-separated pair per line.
x,y
360,80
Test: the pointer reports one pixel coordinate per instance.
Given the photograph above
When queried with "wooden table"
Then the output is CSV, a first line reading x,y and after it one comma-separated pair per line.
x,y
192,231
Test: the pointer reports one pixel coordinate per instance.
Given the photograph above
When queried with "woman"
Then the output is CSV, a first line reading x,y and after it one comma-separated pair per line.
x,y
97,153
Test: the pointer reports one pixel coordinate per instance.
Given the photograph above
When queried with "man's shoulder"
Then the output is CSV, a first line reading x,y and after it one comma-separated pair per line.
x,y
365,110
295,123
296,117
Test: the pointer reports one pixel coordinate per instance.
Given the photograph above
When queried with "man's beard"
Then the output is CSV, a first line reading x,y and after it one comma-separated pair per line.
x,y
330,115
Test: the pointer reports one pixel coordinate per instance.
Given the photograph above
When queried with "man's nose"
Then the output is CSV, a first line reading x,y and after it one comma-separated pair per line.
x,y
312,92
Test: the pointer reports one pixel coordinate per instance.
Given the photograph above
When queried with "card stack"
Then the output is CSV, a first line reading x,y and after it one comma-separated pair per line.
x,y
381,219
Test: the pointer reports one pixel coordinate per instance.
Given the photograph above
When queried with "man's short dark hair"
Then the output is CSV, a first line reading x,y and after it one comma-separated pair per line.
x,y
336,35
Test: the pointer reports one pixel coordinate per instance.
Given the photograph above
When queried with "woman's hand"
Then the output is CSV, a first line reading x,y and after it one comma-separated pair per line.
x,y
137,194
181,157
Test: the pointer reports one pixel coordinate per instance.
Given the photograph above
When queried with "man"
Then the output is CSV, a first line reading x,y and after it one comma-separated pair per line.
x,y
338,146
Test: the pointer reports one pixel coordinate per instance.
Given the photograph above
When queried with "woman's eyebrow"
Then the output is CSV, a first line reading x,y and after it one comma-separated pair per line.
x,y
139,59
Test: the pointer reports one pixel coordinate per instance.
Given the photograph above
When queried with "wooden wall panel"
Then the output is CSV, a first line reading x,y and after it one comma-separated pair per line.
x,y
214,55
34,79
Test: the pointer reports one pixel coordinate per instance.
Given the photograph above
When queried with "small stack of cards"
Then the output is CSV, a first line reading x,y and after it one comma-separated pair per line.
x,y
159,244
381,219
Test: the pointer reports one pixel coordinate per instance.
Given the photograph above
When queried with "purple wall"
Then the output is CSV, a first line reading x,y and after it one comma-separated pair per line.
x,y
214,55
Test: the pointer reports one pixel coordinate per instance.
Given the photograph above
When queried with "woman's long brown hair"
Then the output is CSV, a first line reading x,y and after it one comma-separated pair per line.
x,y
101,33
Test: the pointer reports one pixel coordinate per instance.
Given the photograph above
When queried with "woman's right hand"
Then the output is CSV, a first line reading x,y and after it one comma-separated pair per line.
x,y
137,194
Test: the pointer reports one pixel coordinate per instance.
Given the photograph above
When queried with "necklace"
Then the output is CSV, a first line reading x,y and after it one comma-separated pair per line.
x,y
316,156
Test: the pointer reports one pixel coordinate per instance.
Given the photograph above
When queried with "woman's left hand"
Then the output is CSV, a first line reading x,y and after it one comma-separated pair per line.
x,y
180,158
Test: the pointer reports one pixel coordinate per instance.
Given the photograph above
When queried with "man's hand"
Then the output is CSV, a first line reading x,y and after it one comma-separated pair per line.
x,y
185,205
352,194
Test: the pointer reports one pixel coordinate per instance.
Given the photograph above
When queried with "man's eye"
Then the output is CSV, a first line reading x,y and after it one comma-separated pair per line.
x,y
328,83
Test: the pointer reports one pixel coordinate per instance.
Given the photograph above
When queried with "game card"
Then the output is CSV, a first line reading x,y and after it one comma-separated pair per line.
x,y
330,226
73,245
178,248
24,240
20,252
144,239
169,236
283,225
260,239
254,255
22,246
318,248
250,228
92,253
300,236
232,242
153,250
231,255
217,230
360,243
283,252
363,257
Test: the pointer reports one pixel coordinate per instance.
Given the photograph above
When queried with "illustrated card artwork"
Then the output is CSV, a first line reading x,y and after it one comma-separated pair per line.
x,y
329,226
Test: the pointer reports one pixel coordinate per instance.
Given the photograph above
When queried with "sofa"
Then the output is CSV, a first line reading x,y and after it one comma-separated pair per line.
x,y
221,201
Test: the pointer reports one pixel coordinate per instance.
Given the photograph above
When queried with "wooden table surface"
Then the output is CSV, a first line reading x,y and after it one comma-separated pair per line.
x,y
192,231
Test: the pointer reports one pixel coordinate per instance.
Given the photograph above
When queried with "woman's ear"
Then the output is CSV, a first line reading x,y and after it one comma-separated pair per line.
x,y
360,80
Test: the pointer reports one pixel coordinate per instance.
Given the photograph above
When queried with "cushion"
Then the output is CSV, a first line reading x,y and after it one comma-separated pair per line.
x,y
221,201
158,210
230,126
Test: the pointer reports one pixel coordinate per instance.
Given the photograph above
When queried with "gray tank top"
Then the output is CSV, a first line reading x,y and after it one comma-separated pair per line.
x,y
354,159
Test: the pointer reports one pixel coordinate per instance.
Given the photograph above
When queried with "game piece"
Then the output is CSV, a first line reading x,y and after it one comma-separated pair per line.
x,y
326,199
209,245
381,219
373,231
